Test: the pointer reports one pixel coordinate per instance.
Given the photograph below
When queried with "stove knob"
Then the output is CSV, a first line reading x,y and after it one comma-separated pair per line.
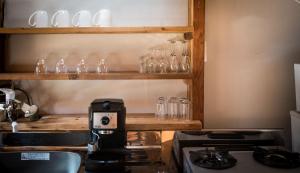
x,y
105,121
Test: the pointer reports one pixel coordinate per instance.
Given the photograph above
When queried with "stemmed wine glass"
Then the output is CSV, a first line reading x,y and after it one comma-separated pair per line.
x,y
185,64
174,64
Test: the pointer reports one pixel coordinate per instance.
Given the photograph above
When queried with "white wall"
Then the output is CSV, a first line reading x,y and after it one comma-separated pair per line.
x,y
251,48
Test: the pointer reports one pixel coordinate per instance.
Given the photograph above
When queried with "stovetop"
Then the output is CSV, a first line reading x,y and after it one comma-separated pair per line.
x,y
245,161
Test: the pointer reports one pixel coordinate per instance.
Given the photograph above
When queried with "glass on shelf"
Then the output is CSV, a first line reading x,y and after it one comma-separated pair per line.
x,y
185,63
151,65
174,64
81,67
173,108
184,109
143,64
161,108
61,66
102,66
41,66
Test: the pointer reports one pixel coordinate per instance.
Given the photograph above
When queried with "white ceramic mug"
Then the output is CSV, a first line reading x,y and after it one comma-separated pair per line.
x,y
83,17
38,19
61,18
102,18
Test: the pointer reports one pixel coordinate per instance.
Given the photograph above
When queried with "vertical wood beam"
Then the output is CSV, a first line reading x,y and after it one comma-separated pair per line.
x,y
2,38
198,60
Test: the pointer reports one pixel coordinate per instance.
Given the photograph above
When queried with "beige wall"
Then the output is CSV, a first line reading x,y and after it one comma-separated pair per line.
x,y
251,48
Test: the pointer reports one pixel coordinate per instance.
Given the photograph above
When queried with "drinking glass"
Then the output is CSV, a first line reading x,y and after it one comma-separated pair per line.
x,y
151,65
184,109
185,64
143,64
162,66
173,108
185,59
61,66
41,66
102,67
162,61
161,108
81,67
174,64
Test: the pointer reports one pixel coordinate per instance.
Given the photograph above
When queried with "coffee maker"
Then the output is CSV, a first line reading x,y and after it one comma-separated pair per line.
x,y
106,148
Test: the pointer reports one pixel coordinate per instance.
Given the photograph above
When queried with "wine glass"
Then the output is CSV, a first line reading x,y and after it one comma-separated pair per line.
x,y
174,64
185,64
41,66
81,67
61,66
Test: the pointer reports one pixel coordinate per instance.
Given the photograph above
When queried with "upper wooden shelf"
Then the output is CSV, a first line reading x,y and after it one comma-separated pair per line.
x,y
97,30
94,76
80,123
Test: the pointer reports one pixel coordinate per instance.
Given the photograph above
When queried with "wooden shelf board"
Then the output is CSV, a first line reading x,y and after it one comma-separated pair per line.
x,y
93,76
97,30
80,123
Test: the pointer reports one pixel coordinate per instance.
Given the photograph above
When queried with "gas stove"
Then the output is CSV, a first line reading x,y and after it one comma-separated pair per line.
x,y
235,139
221,160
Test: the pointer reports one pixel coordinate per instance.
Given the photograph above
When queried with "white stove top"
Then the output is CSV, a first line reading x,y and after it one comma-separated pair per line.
x,y
245,164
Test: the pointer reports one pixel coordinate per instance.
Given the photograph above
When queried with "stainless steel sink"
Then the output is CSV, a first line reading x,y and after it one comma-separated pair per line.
x,y
40,162
44,139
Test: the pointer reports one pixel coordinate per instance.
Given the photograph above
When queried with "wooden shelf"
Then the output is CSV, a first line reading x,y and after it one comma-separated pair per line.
x,y
96,30
93,76
80,123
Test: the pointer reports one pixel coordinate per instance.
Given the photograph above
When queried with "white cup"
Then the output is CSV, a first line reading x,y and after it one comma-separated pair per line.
x,y
38,19
61,18
83,17
102,18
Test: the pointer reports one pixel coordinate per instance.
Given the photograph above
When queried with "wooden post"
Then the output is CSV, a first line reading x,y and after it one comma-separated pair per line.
x,y
2,38
198,60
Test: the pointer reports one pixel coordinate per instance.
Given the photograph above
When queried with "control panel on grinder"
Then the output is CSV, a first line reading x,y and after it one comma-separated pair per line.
x,y
107,123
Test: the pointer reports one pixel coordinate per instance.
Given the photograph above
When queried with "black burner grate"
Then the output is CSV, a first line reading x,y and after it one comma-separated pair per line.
x,y
277,158
212,159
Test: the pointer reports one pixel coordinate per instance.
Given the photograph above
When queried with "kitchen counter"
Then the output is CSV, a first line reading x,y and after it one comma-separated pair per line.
x,y
159,155
80,123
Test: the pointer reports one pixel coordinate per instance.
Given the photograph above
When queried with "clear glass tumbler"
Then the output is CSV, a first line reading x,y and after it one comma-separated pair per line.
x,y
184,109
61,66
41,66
143,64
81,67
151,65
102,66
161,108
173,108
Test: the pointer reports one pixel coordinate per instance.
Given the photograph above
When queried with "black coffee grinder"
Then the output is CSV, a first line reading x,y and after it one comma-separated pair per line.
x,y
106,149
